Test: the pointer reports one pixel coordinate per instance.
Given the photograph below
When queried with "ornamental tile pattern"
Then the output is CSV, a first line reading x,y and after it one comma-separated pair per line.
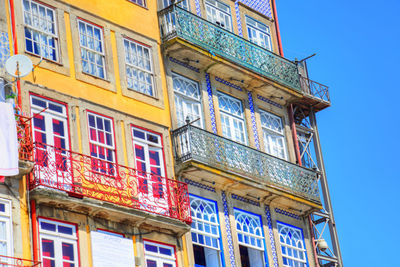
x,y
253,120
198,9
4,48
271,237
211,104
245,200
228,230
184,64
269,101
239,20
262,6
200,185
287,213
218,79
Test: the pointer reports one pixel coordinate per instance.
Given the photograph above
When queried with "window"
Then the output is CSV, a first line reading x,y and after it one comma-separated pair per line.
x,y
273,134
159,255
41,37
219,13
139,2
92,49
58,244
292,245
6,246
232,118
139,70
50,132
205,232
187,100
149,162
258,33
101,142
250,237
182,3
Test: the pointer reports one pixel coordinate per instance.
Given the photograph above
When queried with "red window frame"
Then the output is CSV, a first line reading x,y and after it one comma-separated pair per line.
x,y
59,221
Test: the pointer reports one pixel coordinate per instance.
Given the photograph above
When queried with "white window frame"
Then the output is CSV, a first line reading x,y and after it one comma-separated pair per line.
x,y
159,258
6,218
273,132
222,14
58,239
86,49
137,2
98,144
262,32
49,115
295,231
256,219
130,66
181,3
41,30
229,131
187,100
149,146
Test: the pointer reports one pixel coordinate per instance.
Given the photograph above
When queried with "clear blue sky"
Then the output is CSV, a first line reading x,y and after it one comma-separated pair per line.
x,y
357,45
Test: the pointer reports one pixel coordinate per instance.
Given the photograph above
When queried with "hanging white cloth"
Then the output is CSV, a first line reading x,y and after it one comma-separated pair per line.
x,y
8,141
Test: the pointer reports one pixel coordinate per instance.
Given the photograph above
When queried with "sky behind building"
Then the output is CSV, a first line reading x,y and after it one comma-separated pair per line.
x,y
358,58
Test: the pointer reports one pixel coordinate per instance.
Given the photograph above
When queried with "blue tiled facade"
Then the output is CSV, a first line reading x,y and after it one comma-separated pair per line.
x,y
4,48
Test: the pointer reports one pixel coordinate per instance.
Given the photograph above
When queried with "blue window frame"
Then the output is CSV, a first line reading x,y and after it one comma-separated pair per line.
x,y
205,232
250,235
292,245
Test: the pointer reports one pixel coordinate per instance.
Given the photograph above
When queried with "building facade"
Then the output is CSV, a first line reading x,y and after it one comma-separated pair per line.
x,y
154,133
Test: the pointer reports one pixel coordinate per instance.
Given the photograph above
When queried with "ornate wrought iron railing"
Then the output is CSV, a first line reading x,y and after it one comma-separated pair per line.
x,y
192,143
177,22
7,261
24,136
85,176
315,89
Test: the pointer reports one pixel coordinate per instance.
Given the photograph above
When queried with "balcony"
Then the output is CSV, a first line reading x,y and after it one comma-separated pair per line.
x,y
25,144
82,176
193,144
7,261
190,38
315,94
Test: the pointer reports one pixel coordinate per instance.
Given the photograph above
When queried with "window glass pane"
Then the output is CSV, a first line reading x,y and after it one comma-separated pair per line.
x,y
151,248
48,248
68,251
151,263
65,230
48,226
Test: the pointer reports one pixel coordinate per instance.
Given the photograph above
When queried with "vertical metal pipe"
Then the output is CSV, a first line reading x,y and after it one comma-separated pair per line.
x,y
34,231
14,40
325,188
313,241
294,134
278,33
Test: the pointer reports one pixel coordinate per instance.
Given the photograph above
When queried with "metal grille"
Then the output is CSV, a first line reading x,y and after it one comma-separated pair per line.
x,y
177,22
87,176
192,143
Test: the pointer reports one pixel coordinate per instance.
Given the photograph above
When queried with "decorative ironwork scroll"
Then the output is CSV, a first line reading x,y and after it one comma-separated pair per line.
x,y
192,143
87,176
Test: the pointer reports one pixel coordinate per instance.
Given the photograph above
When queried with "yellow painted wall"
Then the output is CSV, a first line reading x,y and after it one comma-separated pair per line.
x,y
121,13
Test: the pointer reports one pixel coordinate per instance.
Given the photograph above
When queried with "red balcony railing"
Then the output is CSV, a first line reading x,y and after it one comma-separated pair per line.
x,y
85,176
17,262
25,145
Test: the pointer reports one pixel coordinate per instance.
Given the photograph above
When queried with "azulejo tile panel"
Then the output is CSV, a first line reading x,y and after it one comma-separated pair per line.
x,y
271,237
262,6
4,48
253,121
228,230
211,104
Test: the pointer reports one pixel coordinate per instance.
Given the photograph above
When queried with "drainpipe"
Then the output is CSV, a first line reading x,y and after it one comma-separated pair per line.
x,y
14,40
278,33
294,134
34,231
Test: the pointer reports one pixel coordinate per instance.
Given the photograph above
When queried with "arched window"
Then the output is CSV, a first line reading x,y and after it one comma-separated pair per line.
x,y
250,237
205,232
292,245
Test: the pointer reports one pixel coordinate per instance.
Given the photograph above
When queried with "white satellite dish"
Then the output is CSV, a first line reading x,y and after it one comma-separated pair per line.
x,y
19,66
